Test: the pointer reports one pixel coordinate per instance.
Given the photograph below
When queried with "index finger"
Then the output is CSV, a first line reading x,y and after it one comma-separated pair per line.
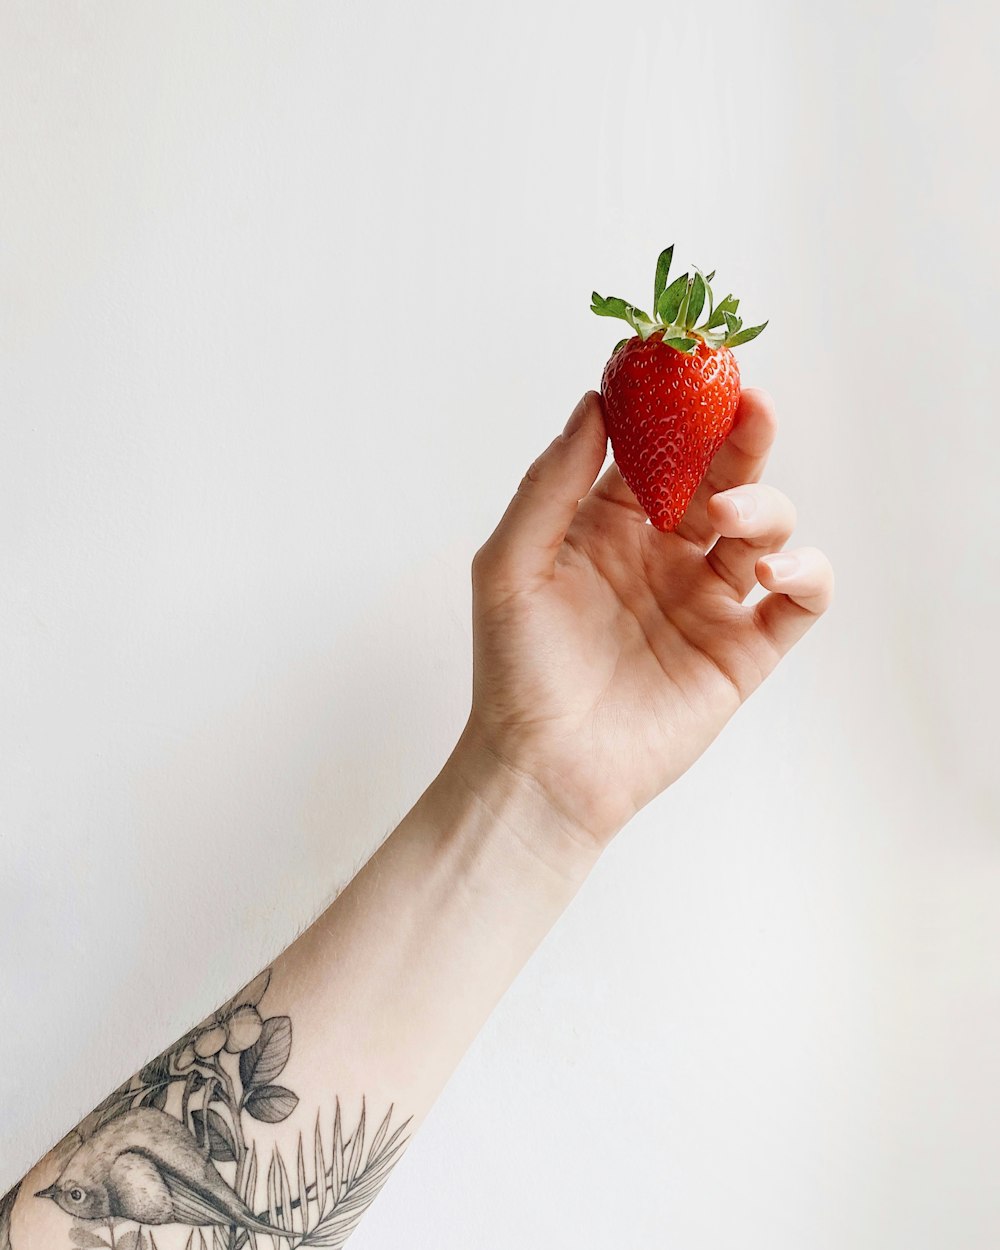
x,y
523,546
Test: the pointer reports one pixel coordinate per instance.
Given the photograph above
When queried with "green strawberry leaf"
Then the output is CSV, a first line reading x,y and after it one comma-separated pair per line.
x,y
711,302
662,273
668,305
696,301
611,306
744,336
729,304
677,308
682,312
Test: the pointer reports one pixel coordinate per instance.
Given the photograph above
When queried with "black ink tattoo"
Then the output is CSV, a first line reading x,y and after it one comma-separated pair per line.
x,y
6,1207
151,1153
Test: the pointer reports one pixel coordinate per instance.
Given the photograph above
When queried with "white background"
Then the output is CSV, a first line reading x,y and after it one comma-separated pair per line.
x,y
292,294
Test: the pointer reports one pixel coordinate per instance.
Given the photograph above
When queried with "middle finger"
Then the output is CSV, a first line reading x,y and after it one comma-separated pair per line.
x,y
754,520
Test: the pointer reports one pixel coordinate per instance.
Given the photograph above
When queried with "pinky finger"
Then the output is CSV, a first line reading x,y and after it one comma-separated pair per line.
x,y
801,586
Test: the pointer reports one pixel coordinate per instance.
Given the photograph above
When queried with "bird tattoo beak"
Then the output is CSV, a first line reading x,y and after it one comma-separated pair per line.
x,y
47,1193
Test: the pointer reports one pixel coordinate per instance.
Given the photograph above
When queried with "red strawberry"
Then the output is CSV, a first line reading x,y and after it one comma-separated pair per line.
x,y
670,392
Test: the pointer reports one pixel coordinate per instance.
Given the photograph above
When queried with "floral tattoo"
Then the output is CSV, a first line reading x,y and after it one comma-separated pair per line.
x,y
176,1145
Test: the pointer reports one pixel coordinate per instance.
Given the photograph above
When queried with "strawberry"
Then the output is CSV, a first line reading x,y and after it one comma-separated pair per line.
x,y
671,390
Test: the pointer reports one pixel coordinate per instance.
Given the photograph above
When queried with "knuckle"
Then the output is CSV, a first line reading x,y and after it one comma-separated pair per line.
x,y
826,570
494,572
820,576
531,478
782,515
816,559
491,564
776,495
482,562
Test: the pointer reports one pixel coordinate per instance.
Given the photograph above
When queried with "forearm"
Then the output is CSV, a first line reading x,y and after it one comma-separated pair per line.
x,y
383,995
396,978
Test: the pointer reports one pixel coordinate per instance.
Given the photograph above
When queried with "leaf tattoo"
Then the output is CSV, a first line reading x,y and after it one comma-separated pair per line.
x,y
266,1058
177,1145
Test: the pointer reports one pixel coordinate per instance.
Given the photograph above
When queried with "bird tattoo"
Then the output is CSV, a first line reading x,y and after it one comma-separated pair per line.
x,y
145,1166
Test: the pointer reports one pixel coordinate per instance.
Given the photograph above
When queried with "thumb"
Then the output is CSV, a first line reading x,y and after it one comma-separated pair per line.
x,y
524,544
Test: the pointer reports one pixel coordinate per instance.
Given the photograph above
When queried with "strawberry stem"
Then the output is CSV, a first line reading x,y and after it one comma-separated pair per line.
x,y
677,306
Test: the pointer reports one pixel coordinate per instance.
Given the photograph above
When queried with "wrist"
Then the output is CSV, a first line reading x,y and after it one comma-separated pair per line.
x,y
505,812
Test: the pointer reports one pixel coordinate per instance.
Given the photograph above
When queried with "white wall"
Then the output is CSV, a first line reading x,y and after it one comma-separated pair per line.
x,y
243,244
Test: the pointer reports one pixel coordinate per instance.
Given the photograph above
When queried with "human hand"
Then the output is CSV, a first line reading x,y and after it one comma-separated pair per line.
x,y
608,655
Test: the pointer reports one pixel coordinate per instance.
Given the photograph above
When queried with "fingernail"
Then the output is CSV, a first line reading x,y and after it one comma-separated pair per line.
x,y
782,566
745,505
576,418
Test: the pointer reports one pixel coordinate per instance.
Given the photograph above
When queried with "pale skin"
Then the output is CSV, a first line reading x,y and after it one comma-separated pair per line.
x,y
607,657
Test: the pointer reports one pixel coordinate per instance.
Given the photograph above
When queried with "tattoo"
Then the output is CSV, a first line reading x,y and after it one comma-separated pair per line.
x,y
178,1144
6,1207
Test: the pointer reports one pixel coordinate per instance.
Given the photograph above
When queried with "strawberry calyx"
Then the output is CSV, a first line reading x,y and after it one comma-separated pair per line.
x,y
677,307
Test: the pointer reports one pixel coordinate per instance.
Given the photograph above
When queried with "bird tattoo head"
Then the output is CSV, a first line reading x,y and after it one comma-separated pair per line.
x,y
87,1202
145,1166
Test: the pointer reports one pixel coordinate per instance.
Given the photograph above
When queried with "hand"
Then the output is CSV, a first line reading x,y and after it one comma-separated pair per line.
x,y
608,655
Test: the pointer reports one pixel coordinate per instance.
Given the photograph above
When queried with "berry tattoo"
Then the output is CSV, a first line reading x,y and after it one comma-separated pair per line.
x,y
671,390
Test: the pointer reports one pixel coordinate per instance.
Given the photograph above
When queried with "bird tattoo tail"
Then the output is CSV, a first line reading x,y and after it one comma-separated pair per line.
x,y
193,1204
